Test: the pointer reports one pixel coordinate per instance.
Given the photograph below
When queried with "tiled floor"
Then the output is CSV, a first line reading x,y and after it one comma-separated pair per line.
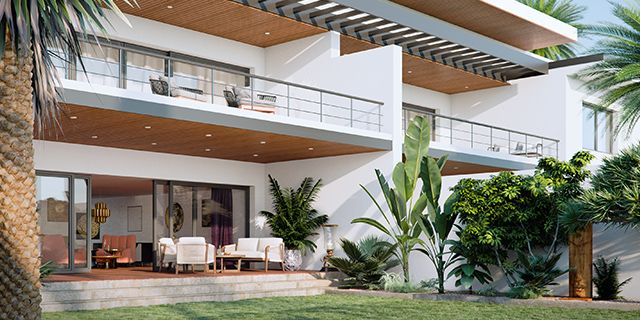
x,y
130,273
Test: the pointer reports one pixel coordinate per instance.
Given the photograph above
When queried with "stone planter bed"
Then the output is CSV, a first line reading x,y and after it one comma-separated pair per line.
x,y
544,301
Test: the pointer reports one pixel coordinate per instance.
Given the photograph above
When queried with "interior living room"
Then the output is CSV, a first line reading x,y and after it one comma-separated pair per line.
x,y
129,216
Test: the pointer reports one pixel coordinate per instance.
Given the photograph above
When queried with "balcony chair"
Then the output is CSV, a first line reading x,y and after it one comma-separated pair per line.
x,y
167,250
264,250
195,251
241,99
161,85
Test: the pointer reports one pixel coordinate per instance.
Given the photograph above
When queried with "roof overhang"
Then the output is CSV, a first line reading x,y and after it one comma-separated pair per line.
x,y
385,23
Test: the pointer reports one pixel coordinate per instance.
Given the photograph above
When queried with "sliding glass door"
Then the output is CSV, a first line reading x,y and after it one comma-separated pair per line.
x,y
219,213
65,220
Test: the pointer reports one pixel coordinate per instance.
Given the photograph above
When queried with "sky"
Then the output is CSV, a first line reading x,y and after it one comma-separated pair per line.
x,y
597,11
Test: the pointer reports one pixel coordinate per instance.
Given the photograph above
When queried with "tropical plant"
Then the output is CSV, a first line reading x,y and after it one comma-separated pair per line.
x,y
535,273
294,219
614,194
615,79
29,33
394,282
409,219
467,271
566,11
366,262
46,269
606,280
401,222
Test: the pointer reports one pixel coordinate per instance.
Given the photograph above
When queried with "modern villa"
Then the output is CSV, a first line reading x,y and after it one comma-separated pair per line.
x,y
180,118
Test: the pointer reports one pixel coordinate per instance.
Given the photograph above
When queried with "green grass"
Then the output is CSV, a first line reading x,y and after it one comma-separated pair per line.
x,y
342,307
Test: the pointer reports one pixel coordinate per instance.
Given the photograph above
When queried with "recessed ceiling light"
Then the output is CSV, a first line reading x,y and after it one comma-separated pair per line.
x,y
207,149
154,143
466,87
73,117
147,127
94,137
310,148
208,135
409,72
455,168
267,33
169,7
263,142
255,154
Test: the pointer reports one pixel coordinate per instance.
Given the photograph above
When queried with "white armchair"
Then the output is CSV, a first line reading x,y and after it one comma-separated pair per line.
x,y
195,251
167,251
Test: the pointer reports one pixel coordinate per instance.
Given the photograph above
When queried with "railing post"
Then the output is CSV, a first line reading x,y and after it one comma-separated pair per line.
x,y
491,138
379,117
351,113
509,141
320,106
451,131
213,85
557,151
288,100
526,146
252,84
472,135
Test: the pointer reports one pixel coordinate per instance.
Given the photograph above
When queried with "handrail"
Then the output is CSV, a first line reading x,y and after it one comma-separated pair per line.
x,y
435,115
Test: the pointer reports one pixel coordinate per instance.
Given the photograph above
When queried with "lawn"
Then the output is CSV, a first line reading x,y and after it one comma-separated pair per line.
x,y
342,307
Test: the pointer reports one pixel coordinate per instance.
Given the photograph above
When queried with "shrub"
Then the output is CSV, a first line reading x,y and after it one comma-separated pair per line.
x,y
366,262
606,280
46,269
535,274
394,282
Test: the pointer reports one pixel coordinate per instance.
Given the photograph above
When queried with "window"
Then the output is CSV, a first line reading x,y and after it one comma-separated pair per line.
x,y
597,128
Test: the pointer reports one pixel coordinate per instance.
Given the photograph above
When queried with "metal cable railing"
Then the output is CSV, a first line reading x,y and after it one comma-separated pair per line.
x,y
464,133
179,78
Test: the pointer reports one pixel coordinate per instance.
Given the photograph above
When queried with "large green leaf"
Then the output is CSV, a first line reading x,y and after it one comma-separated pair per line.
x,y
373,223
402,182
416,147
431,180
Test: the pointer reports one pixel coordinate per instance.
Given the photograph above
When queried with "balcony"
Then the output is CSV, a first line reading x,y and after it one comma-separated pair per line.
x,y
154,72
482,137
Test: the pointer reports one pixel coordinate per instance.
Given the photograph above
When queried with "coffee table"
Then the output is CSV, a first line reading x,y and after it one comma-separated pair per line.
x,y
233,257
109,262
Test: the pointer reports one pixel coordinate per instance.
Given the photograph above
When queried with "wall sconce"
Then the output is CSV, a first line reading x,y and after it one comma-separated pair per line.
x,y
329,231
100,213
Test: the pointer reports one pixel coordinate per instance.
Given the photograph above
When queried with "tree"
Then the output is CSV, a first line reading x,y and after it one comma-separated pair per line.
x,y
565,11
614,196
28,30
615,79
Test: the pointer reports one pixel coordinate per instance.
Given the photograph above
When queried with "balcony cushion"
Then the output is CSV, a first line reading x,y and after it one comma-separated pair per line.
x,y
247,244
250,254
192,240
273,243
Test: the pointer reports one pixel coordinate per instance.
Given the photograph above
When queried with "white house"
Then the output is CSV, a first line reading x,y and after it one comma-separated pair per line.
x,y
193,104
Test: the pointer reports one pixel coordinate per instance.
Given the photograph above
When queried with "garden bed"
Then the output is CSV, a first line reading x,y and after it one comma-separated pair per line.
x,y
455,296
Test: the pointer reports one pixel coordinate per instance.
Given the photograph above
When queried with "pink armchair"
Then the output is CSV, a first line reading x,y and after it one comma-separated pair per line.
x,y
126,246
54,248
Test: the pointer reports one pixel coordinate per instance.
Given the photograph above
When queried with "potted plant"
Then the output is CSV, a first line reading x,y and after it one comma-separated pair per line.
x,y
294,219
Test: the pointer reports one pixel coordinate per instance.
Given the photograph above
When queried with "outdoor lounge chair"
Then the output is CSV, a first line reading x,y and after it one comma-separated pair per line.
x,y
195,251
161,85
241,99
264,250
167,250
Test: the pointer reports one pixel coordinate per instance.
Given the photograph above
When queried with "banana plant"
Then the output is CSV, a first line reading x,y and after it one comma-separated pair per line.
x,y
402,215
438,221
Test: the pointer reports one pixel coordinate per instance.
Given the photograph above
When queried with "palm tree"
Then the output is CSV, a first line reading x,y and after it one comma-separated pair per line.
x,y
565,11
616,79
28,30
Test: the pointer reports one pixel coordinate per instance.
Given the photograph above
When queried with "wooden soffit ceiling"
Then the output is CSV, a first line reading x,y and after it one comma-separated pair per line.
x,y
109,128
485,18
428,74
223,18
456,167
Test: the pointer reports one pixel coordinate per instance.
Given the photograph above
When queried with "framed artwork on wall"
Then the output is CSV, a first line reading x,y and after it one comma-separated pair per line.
x,y
134,219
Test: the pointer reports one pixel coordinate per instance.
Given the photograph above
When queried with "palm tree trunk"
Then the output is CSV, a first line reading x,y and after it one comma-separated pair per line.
x,y
19,254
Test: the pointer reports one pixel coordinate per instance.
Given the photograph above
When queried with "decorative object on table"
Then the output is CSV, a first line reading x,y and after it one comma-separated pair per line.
x,y
294,219
134,219
81,227
57,210
178,217
100,213
329,232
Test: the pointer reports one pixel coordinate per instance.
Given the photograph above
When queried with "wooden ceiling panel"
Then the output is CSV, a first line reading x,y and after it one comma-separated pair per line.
x,y
225,19
108,128
428,74
456,167
490,21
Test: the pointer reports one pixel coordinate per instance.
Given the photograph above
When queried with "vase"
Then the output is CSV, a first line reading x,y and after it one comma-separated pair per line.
x,y
292,260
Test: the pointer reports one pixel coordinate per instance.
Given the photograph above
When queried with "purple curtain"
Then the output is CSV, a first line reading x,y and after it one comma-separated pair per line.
x,y
222,217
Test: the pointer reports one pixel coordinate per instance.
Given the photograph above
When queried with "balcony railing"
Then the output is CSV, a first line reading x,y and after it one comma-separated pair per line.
x,y
469,134
135,68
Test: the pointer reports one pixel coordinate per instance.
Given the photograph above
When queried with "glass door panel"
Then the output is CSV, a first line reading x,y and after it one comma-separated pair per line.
x,y
83,223
52,194
161,217
183,211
